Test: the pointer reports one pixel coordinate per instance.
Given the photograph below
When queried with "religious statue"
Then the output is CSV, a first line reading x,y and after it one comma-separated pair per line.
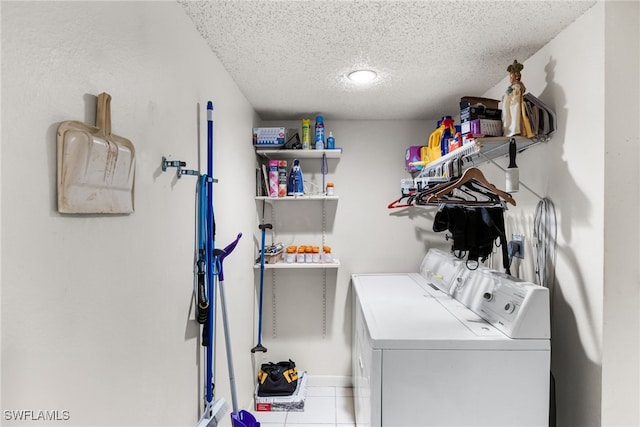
x,y
514,116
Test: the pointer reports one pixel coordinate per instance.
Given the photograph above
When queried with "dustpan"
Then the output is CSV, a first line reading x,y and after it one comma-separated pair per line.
x,y
244,419
95,167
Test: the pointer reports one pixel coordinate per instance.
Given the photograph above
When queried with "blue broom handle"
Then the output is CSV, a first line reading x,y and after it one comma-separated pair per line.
x,y
211,264
261,288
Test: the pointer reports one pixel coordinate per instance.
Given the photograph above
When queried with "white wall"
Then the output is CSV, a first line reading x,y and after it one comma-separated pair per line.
x,y
621,344
96,313
573,179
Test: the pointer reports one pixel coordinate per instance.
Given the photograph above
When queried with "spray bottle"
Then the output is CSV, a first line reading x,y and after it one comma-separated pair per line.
x,y
331,141
306,136
319,140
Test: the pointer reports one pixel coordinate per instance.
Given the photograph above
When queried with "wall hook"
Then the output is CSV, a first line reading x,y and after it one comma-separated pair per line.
x,y
171,164
187,172
179,164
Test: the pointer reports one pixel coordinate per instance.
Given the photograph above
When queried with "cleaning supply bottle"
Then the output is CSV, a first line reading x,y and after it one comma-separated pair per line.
x,y
448,132
295,186
306,134
319,140
331,142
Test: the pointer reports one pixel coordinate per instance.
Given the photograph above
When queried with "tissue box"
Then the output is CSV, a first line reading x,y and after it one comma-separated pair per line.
x,y
483,127
293,403
269,137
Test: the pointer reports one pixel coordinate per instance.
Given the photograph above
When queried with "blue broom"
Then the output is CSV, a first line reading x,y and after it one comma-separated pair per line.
x,y
214,410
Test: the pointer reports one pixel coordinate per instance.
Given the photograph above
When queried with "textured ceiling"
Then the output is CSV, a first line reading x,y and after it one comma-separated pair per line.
x,y
290,58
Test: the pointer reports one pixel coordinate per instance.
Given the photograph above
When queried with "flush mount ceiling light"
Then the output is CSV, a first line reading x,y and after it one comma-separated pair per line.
x,y
362,76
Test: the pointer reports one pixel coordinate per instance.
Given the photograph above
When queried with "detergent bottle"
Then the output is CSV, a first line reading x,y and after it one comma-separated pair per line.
x,y
439,139
295,185
448,133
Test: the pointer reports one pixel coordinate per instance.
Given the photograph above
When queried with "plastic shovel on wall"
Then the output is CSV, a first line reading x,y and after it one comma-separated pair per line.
x,y
95,167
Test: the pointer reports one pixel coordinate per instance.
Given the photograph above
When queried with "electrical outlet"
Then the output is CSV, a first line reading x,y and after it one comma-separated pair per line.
x,y
519,239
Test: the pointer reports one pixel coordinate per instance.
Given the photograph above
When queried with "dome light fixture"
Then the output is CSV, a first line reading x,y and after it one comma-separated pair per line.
x,y
362,76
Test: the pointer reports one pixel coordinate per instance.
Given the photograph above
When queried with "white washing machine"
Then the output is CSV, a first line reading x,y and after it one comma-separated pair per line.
x,y
450,347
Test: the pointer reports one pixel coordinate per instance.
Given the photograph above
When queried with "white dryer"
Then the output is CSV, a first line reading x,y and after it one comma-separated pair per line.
x,y
422,357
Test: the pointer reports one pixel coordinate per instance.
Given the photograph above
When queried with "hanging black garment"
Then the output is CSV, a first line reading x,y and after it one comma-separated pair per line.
x,y
474,230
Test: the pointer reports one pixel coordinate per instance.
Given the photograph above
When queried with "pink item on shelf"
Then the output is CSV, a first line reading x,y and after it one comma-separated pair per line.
x,y
273,178
282,178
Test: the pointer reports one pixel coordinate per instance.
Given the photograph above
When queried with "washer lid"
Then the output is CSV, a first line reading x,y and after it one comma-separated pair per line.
x,y
400,313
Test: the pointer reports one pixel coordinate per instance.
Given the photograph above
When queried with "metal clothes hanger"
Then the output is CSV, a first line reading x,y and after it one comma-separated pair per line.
x,y
470,174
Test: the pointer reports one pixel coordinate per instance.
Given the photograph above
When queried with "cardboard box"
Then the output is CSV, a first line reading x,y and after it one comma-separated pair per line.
x,y
293,403
480,112
472,101
483,127
269,137
273,258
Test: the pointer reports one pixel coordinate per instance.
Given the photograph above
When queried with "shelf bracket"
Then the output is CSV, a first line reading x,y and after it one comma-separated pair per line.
x,y
505,171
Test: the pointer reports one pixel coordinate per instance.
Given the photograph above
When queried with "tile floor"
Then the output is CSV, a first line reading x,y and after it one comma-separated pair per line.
x,y
323,407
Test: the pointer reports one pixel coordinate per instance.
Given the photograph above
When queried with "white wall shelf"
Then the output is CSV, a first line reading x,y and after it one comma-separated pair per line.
x,y
303,198
301,265
270,153
482,149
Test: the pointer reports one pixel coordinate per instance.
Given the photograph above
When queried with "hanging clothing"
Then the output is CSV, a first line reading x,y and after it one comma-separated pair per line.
x,y
474,231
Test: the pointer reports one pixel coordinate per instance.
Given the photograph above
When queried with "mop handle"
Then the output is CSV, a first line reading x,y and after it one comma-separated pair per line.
x,y
227,341
211,264
222,254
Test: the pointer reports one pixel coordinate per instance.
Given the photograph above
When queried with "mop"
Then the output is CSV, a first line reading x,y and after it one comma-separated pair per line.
x,y
213,410
238,418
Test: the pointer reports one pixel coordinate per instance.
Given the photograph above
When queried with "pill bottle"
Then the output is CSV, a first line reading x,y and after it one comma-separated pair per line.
x,y
300,255
290,255
308,254
315,254
330,189
327,256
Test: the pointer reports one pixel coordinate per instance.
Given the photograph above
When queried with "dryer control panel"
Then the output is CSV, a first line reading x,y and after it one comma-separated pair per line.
x,y
519,309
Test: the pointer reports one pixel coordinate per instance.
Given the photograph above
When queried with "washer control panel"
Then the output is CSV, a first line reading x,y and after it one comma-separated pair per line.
x,y
442,270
